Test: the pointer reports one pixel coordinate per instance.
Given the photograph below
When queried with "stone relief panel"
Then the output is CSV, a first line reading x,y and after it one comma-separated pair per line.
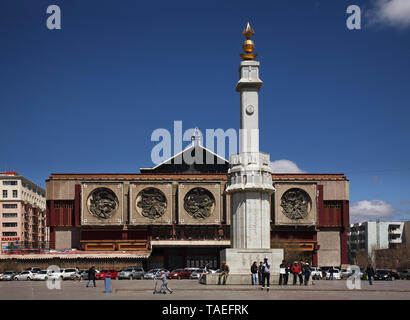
x,y
295,203
150,203
102,203
199,203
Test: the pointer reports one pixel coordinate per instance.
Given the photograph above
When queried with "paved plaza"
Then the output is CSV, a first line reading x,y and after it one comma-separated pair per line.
x,y
192,290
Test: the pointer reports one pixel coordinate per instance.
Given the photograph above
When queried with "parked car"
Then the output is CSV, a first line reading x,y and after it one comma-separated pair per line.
x,y
315,273
154,273
345,273
336,273
42,275
33,270
385,275
105,272
131,273
324,270
55,275
8,275
69,274
404,274
196,274
25,275
84,273
175,274
186,273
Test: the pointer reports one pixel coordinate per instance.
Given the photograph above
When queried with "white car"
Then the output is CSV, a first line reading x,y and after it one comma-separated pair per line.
x,y
55,275
42,275
315,273
69,274
25,275
337,274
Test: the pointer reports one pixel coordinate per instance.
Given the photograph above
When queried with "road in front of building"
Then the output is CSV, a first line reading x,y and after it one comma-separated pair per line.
x,y
192,290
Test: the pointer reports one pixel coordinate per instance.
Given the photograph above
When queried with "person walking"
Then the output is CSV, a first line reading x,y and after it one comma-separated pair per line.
x,y
224,273
260,272
254,272
370,273
91,276
282,273
164,283
306,272
265,274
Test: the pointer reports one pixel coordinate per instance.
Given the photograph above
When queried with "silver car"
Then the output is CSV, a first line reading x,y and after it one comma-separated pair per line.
x,y
8,276
131,273
25,275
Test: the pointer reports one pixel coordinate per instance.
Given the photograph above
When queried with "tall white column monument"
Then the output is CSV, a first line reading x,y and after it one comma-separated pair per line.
x,y
249,182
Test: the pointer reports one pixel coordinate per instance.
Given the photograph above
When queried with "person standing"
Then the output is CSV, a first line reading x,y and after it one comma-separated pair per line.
x,y
295,269
282,273
91,276
287,274
370,273
300,273
254,272
164,283
224,273
260,272
265,274
306,272
331,271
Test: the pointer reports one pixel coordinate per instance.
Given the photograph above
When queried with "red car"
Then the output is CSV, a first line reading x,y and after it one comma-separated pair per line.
x,y
103,273
175,274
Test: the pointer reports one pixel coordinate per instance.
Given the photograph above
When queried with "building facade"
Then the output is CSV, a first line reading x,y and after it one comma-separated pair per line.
x,y
374,235
180,213
22,214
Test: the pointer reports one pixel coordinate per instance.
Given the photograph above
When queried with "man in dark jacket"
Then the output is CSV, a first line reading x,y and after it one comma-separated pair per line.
x,y
265,274
254,272
260,272
306,272
91,276
370,273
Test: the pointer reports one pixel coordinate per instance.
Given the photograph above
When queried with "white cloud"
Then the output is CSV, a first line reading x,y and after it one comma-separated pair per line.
x,y
285,166
369,210
394,13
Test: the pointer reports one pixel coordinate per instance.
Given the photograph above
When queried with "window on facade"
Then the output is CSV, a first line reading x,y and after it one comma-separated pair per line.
x,y
4,193
332,204
9,215
9,183
9,234
9,206
14,193
9,224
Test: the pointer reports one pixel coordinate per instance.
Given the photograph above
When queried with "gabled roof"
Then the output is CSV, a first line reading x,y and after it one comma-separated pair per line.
x,y
193,159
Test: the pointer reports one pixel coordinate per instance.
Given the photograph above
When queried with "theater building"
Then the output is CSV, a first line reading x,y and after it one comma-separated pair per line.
x,y
178,214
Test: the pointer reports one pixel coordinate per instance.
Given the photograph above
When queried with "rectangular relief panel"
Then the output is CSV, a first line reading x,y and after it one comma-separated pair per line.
x,y
102,203
151,203
199,203
295,203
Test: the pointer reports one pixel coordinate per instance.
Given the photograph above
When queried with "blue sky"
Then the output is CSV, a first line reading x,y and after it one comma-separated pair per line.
x,y
86,98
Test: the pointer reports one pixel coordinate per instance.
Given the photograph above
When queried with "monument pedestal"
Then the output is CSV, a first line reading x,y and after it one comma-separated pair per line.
x,y
240,261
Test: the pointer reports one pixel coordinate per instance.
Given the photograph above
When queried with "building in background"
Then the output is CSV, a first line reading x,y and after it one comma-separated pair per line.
x,y
374,235
178,214
22,214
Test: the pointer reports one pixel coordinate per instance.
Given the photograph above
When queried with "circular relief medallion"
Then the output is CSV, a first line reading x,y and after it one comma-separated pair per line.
x,y
199,203
296,204
102,203
151,203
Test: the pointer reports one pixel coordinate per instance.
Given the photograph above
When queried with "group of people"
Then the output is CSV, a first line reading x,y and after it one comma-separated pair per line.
x,y
261,273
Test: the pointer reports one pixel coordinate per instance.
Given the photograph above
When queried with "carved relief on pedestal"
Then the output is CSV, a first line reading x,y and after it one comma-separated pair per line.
x,y
151,203
102,203
199,203
296,204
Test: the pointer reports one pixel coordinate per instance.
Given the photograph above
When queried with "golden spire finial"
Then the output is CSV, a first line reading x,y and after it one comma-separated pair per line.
x,y
248,45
